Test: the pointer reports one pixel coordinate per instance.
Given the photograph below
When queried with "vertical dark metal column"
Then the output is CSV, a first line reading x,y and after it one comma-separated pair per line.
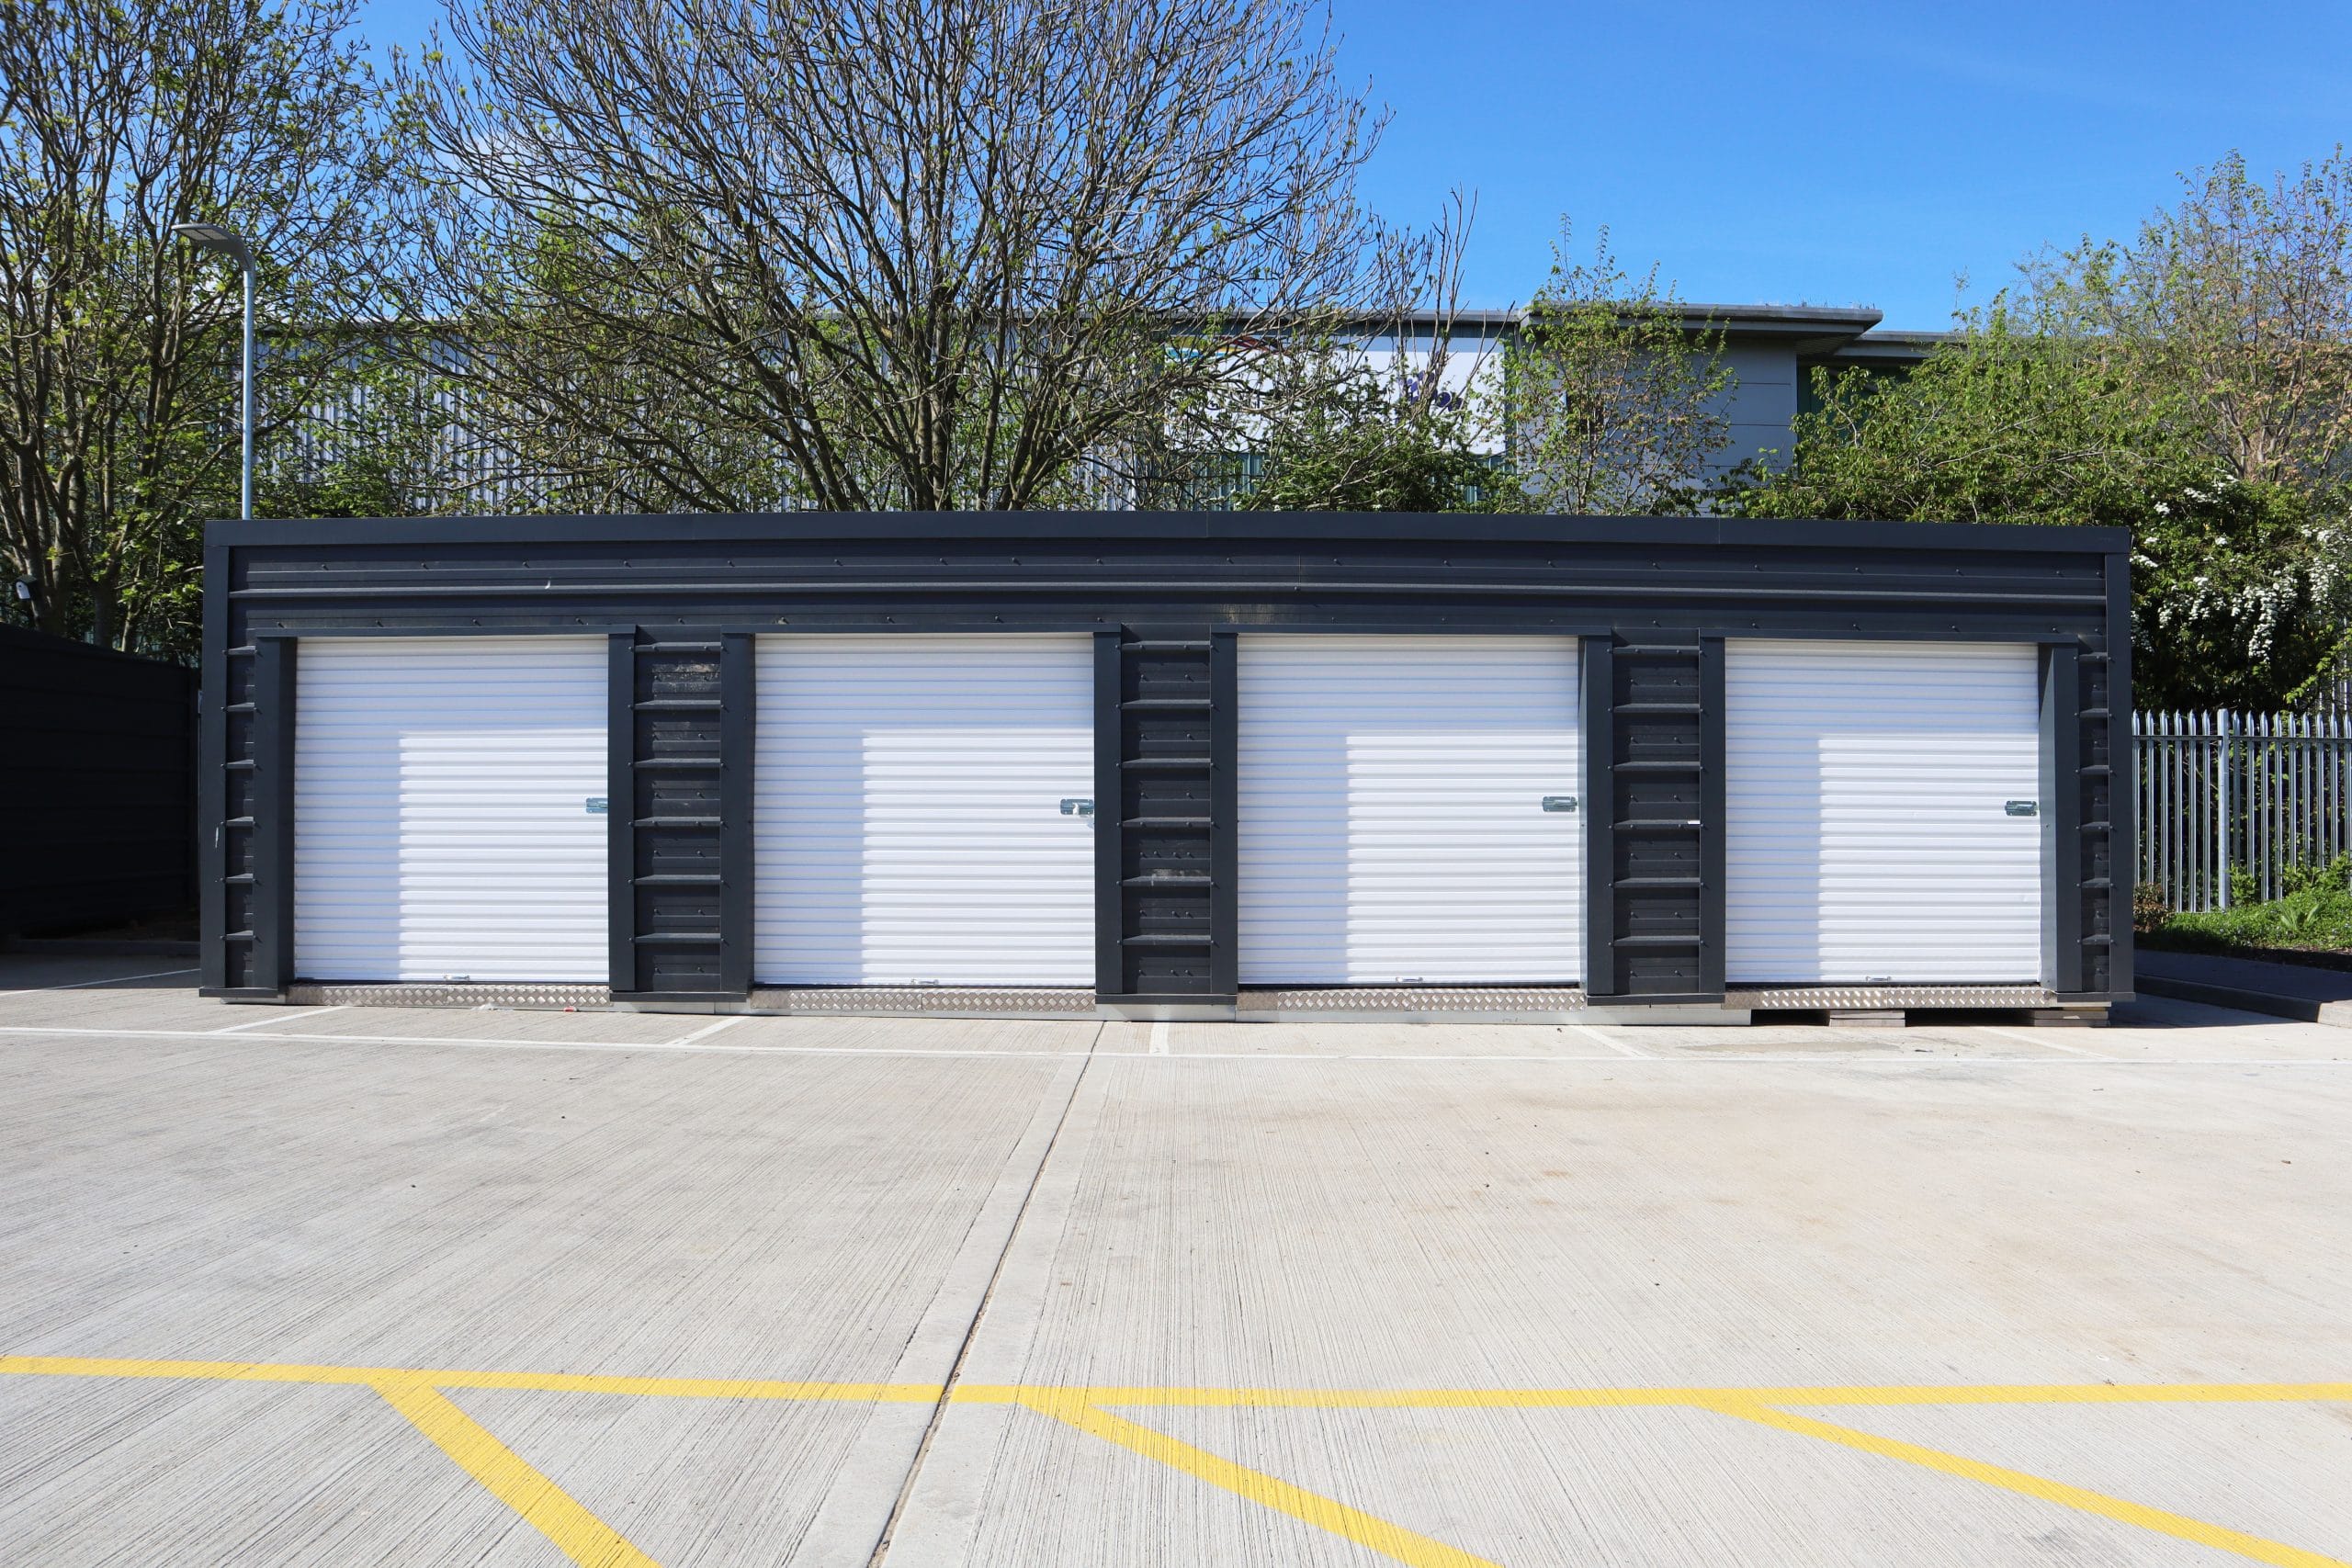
x,y
211,784
620,799
1158,778
1653,801
738,746
2112,711
1713,834
272,815
1598,681
1225,807
1110,857
2062,820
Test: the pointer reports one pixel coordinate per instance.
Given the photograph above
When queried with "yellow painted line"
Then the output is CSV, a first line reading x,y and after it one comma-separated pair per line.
x,y
1214,1398
1391,1541
2180,1526
547,1507
589,1540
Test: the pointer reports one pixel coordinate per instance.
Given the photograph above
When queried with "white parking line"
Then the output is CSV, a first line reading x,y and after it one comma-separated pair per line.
x,y
2041,1037
109,980
282,1017
1159,1038
1617,1045
707,1030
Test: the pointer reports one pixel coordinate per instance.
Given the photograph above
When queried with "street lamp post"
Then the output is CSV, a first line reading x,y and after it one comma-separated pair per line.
x,y
214,238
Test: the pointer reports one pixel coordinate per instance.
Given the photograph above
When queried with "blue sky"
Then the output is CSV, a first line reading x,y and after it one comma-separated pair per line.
x,y
1825,154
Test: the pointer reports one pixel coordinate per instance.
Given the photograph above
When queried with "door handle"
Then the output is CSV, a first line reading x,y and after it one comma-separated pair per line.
x,y
1559,803
1077,808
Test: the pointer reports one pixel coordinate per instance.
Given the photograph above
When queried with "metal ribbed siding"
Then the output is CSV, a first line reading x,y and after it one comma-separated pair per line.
x,y
907,811
1867,836
441,821
1391,820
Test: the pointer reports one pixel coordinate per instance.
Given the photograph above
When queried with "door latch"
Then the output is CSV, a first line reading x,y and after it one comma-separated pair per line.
x,y
1077,808
2022,808
1559,803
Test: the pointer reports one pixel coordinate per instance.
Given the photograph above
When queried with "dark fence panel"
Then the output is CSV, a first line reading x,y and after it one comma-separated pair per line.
x,y
97,778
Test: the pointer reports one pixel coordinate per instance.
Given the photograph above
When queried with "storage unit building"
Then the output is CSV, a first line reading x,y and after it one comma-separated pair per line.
x,y
1166,763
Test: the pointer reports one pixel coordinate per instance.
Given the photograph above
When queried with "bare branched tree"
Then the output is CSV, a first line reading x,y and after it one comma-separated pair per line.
x,y
862,254
118,407
1401,410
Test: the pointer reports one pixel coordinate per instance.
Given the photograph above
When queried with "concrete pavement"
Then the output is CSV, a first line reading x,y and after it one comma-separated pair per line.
x,y
289,1285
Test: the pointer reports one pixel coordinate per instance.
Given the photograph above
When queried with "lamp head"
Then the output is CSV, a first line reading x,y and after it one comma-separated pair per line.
x,y
214,238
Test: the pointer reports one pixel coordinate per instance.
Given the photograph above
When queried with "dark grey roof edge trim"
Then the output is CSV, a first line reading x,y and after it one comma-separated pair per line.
x,y
1320,527
1889,347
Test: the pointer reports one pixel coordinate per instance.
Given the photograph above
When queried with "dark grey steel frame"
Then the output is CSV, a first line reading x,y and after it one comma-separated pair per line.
x,y
1165,597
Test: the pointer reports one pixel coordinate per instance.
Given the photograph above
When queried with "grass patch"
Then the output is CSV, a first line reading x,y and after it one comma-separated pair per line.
x,y
2314,917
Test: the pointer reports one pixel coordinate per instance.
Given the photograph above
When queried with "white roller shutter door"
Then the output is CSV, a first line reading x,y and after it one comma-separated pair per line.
x,y
907,811
1393,826
443,824
1869,836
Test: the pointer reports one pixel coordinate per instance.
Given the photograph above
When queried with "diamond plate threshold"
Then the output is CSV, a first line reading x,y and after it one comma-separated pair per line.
x,y
1853,998
926,1001
446,994
1391,1003
1460,1004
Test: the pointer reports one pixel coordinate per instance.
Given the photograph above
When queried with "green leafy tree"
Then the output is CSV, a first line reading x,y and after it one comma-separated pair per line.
x,y
2238,585
1615,405
2193,385
117,404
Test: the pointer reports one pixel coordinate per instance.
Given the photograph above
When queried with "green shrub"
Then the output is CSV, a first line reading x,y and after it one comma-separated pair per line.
x,y
2317,916
2335,874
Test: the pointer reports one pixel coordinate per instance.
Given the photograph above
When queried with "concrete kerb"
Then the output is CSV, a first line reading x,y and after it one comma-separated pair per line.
x,y
2300,1010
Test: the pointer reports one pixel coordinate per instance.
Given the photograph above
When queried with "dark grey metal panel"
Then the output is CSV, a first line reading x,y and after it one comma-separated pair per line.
x,y
1224,806
272,963
1657,826
1155,817
211,791
620,791
1597,683
1170,829
1072,571
738,749
676,802
1714,838
1110,854
2061,807
1203,528
2109,703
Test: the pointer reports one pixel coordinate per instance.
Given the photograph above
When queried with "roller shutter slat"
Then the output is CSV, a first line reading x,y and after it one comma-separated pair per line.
x,y
1867,831
441,828
907,811
1391,825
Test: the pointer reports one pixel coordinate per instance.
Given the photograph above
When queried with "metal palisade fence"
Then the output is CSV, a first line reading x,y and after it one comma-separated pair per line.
x,y
2261,793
